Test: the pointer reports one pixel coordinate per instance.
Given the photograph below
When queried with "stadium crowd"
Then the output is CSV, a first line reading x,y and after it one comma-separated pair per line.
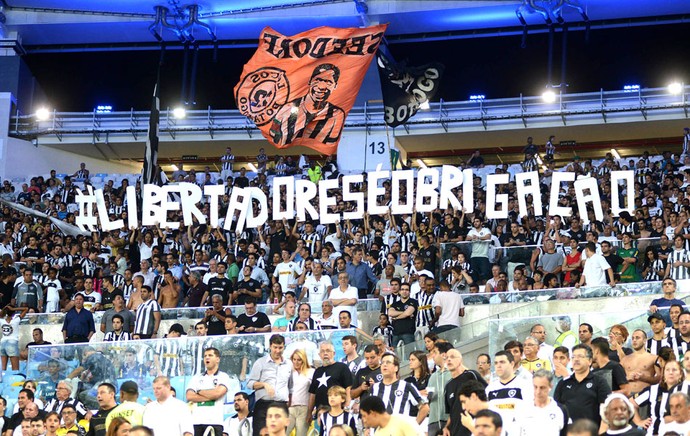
x,y
425,269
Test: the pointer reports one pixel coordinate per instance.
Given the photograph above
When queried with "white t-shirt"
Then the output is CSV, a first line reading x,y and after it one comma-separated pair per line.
x,y
317,289
674,426
287,273
10,330
595,270
508,397
90,300
450,304
338,294
209,412
52,291
480,248
533,420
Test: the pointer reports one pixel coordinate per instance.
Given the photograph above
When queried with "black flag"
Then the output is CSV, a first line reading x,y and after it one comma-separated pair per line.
x,y
151,153
404,88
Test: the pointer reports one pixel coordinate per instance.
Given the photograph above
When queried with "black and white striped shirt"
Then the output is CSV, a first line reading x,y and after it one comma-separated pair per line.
x,y
201,268
652,274
345,418
653,345
425,314
114,337
227,160
656,398
399,397
388,300
118,280
355,364
87,266
127,290
196,352
145,322
56,406
311,241
678,272
168,353
679,345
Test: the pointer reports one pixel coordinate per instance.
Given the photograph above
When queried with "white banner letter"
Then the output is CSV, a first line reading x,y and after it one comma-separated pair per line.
x,y
492,180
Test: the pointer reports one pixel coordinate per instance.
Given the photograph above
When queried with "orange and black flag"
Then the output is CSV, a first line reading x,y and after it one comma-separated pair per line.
x,y
298,90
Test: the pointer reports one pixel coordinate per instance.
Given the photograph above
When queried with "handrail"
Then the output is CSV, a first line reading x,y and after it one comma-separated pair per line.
x,y
519,109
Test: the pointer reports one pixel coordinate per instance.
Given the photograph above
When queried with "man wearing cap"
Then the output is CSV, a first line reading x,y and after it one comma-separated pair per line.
x,y
657,325
207,391
129,408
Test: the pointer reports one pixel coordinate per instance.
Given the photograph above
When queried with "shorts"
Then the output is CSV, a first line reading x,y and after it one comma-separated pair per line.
x,y
9,348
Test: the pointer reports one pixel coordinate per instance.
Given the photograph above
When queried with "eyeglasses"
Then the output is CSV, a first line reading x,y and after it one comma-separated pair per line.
x,y
71,412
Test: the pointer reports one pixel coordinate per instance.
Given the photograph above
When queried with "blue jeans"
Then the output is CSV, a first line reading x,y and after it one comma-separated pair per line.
x,y
443,328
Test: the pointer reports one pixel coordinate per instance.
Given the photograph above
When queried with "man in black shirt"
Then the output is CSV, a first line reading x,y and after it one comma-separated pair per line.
x,y
582,392
246,288
332,373
403,314
427,253
609,370
367,376
461,375
252,321
612,258
220,284
106,403
215,316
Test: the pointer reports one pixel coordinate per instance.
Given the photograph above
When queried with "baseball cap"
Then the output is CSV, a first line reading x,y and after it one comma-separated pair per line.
x,y
655,315
130,387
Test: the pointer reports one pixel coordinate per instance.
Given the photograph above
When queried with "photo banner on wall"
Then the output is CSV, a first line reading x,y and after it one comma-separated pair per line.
x,y
404,88
299,89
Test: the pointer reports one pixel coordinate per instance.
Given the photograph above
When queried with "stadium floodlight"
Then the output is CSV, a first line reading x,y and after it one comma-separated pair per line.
x,y
42,114
615,153
421,163
179,112
425,106
548,96
675,88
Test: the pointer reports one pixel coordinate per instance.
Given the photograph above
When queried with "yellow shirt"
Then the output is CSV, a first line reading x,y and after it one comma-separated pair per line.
x,y
535,365
396,427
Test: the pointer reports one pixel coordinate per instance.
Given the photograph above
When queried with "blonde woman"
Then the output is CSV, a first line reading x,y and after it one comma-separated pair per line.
x,y
300,379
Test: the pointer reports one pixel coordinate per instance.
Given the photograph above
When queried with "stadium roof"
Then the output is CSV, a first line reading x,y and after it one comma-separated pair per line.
x,y
123,24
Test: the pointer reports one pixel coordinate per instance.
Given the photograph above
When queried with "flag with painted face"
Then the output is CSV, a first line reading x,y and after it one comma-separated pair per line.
x,y
299,89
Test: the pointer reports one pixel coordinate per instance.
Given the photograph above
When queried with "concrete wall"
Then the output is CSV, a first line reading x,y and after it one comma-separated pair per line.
x,y
22,159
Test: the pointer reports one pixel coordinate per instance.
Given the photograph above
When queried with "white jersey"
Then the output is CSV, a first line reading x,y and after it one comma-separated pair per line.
x,y
317,290
209,412
543,421
287,274
507,397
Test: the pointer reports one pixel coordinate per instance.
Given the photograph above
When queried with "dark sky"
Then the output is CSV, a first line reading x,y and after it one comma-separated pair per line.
x,y
497,67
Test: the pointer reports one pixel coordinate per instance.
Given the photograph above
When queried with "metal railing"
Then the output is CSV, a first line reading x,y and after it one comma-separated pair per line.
x,y
599,106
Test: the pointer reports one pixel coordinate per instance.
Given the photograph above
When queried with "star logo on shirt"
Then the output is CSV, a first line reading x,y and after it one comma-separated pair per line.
x,y
323,380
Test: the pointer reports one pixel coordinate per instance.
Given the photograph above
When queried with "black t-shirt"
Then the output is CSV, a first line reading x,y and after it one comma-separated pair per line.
x,y
428,255
108,297
221,286
97,423
613,373
336,374
33,252
258,320
614,260
579,234
406,325
452,234
6,289
251,285
365,374
582,399
216,326
452,399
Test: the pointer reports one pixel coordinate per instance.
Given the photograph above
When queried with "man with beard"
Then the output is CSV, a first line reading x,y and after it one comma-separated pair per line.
x,y
239,424
331,373
207,390
616,413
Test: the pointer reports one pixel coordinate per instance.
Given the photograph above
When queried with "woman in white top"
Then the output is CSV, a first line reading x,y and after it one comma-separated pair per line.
x,y
9,343
299,382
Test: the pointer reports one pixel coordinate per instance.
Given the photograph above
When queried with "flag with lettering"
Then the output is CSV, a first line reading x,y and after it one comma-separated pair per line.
x,y
299,89
404,87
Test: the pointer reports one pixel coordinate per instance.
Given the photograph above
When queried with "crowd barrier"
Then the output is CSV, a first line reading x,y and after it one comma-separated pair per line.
x,y
87,365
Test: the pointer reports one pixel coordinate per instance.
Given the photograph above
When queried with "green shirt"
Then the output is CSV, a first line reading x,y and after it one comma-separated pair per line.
x,y
233,272
437,404
283,322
